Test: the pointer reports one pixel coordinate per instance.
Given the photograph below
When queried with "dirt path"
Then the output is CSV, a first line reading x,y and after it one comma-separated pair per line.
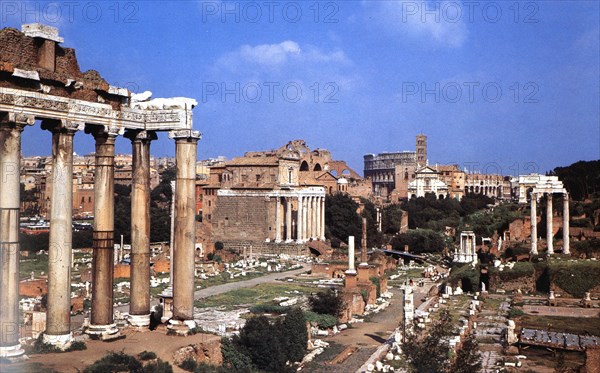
x,y
369,336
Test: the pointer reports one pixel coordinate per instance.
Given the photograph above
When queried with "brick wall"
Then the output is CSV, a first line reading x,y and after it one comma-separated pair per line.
x,y
266,248
242,218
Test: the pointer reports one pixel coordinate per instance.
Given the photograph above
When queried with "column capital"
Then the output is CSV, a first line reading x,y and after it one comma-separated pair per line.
x,y
17,119
140,135
62,125
189,135
103,131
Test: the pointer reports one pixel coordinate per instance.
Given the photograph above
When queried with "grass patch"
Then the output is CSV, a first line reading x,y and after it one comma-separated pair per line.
x,y
576,277
575,325
34,263
252,296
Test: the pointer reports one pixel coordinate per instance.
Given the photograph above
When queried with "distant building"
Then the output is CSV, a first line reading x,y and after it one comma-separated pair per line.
x,y
393,171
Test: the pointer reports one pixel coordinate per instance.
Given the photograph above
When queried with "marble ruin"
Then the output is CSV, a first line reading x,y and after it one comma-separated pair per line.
x,y
41,81
467,250
536,186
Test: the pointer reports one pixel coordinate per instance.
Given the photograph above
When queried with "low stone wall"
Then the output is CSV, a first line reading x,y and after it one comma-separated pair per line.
x,y
525,283
266,248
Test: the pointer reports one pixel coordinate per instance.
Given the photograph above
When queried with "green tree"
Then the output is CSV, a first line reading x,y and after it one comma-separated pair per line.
x,y
391,217
328,302
468,359
427,350
419,241
341,217
234,357
263,343
296,334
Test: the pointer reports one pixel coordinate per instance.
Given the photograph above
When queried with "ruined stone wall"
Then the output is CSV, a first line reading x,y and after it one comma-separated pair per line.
x,y
245,218
33,288
266,248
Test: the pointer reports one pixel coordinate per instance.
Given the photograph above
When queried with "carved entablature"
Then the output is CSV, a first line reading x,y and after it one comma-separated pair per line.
x,y
185,134
141,135
40,105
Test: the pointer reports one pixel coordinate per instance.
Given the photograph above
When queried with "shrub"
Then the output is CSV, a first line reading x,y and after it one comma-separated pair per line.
x,y
219,245
377,282
269,308
575,278
115,362
77,346
296,334
264,344
147,355
322,320
234,358
41,347
189,364
327,302
158,367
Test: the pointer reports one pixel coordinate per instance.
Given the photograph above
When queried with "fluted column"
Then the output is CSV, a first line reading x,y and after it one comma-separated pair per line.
x,y
566,242
10,165
305,213
139,305
549,232
309,226
103,235
318,217
277,219
288,220
315,228
533,250
185,203
299,223
322,219
58,315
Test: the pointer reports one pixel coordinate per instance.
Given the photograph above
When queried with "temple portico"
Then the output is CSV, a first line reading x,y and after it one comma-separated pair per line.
x,y
467,250
106,113
538,186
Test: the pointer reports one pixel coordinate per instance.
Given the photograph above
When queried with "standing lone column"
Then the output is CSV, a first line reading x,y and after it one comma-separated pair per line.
x,y
103,236
139,306
322,218
288,220
534,250
186,143
277,219
58,315
299,219
566,243
549,232
10,167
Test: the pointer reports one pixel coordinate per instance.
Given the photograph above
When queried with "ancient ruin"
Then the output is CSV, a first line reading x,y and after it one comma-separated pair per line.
x,y
41,81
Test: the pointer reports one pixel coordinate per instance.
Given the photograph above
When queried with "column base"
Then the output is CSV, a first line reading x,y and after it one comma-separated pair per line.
x,y
12,352
277,241
62,341
103,332
181,327
140,321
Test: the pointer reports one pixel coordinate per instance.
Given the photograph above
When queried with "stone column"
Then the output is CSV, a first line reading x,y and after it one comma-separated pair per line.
x,y
318,218
549,233
186,143
103,236
533,250
322,218
58,315
351,268
363,244
288,220
277,219
10,166
309,218
139,305
305,213
299,218
566,243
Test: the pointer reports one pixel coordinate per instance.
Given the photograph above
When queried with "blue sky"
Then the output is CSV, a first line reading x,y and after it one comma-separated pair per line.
x,y
498,86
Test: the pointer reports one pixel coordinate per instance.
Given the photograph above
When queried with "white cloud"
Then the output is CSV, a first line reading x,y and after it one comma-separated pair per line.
x,y
441,23
279,55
